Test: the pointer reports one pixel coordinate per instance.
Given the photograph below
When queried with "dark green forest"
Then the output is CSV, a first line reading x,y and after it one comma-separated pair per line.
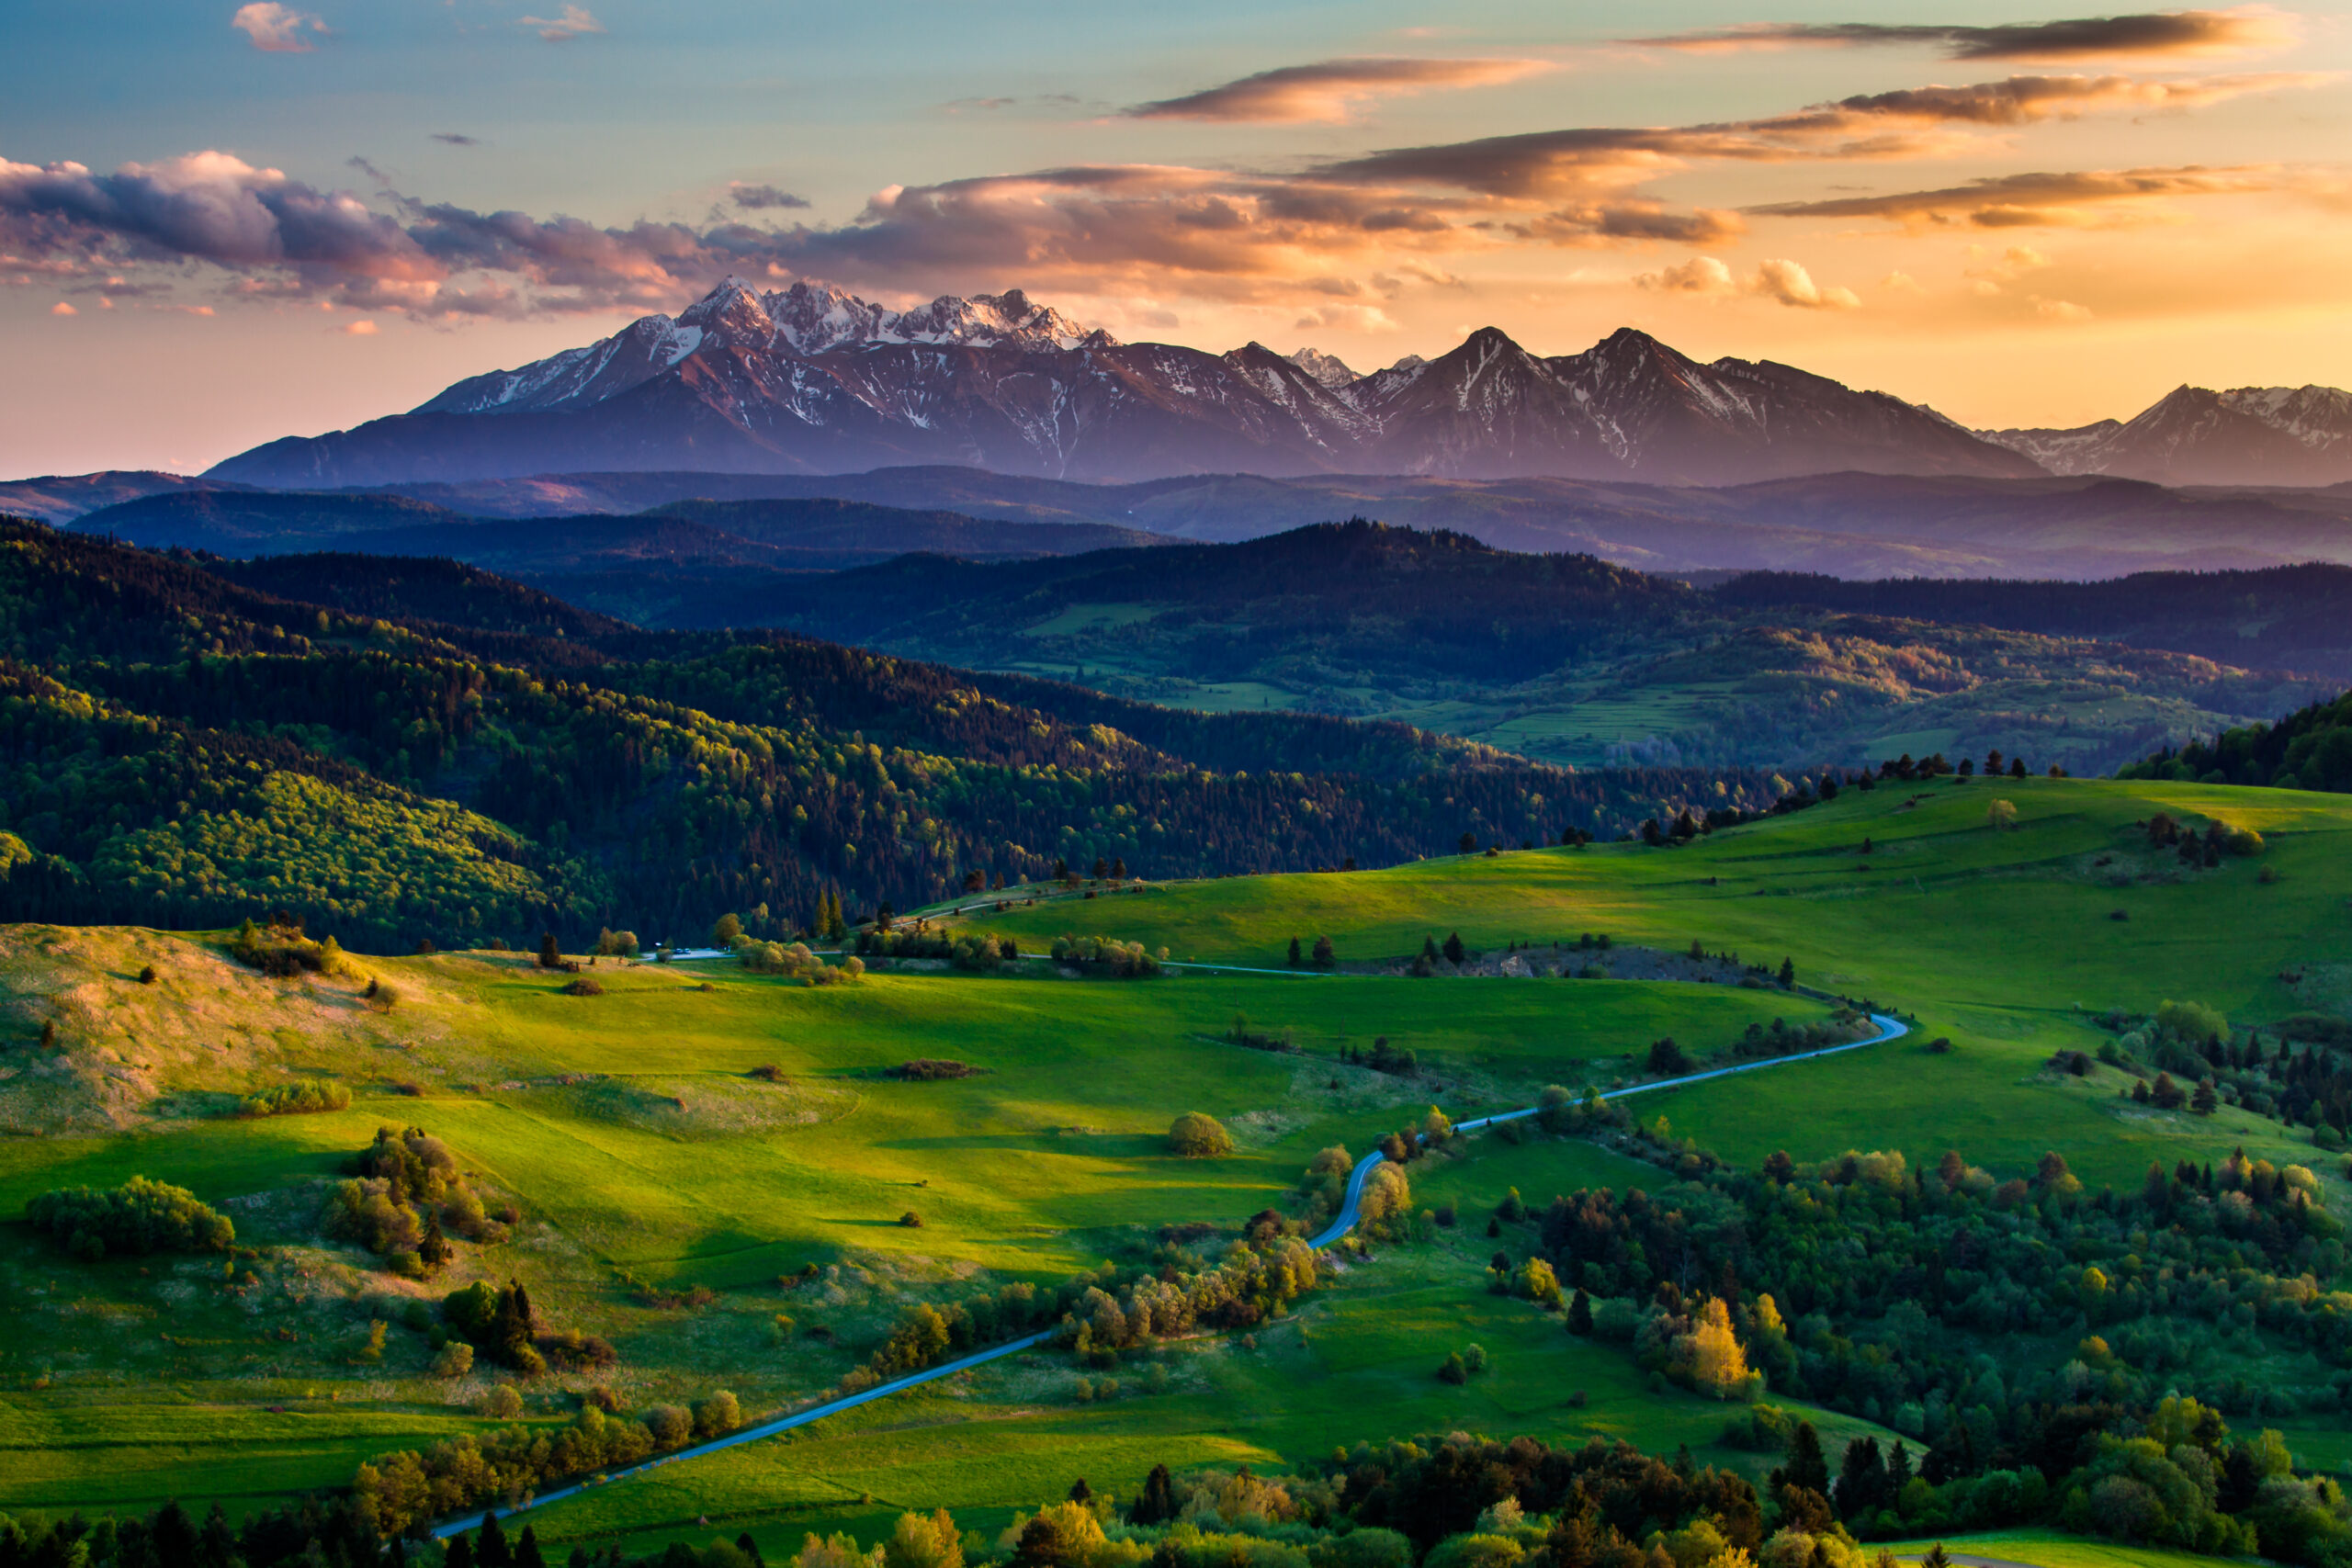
x,y
414,760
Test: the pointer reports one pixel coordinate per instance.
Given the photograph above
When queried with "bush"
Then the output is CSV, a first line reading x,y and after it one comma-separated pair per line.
x,y
911,1220
2001,814
926,1069
768,1072
583,986
139,1217
670,1425
717,1416
502,1403
456,1360
1195,1136
147,974
303,1097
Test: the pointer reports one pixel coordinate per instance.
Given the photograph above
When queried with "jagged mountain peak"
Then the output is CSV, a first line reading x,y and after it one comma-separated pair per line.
x,y
1324,368
811,378
2261,436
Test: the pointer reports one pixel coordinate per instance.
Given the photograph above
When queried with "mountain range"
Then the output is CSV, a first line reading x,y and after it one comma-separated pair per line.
x,y
810,380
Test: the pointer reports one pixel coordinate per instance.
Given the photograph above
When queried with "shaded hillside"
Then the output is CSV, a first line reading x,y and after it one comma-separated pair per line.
x,y
2288,617
1560,658
183,750
408,588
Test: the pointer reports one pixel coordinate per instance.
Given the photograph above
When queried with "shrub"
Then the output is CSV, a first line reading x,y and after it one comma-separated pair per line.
x,y
926,1069
583,986
911,1220
456,1360
2001,814
1195,1136
717,1416
502,1403
670,1425
139,1217
147,974
303,1097
768,1072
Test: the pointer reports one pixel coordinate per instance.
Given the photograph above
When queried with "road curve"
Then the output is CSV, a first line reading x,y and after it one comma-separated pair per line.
x,y
1889,1029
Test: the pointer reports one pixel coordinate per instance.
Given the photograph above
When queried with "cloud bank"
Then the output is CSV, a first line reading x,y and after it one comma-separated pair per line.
x,y
1148,230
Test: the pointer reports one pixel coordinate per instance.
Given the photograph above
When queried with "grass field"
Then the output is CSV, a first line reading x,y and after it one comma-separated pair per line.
x,y
641,1153
2002,941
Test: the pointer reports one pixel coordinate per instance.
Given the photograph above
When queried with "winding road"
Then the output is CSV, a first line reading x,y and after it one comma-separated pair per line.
x,y
1889,1029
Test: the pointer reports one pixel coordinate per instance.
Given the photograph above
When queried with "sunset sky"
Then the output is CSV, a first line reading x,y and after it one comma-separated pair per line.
x,y
222,223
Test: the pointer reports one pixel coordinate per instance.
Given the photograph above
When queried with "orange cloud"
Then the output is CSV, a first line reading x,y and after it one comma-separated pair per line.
x,y
2051,199
1330,90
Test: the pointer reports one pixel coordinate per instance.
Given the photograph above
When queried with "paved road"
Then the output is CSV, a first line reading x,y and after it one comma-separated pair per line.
x,y
1889,1029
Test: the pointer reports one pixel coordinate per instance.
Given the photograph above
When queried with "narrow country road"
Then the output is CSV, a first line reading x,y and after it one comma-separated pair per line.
x,y
1889,1029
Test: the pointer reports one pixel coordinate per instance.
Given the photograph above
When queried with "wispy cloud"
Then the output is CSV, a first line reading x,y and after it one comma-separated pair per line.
x,y
1331,90
2145,36
574,22
278,29
2056,199
761,198
454,140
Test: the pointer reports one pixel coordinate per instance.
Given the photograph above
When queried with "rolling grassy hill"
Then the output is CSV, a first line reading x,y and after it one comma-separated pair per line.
x,y
644,1160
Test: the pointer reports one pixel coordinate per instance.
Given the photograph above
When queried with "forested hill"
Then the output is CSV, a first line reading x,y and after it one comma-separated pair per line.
x,y
1358,595
2285,618
415,589
2311,748
180,749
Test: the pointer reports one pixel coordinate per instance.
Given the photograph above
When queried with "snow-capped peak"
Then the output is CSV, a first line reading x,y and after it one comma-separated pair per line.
x,y
1324,367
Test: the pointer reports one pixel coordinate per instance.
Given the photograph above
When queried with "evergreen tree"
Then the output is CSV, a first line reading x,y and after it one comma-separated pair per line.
x,y
526,1551
461,1553
1294,959
1788,973
1157,1503
1580,1313
1323,957
491,1549
550,955
1806,1467
1453,948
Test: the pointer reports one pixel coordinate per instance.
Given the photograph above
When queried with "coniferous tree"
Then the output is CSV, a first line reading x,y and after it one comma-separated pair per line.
x,y
526,1549
1453,948
550,955
1294,959
1157,1503
1580,1313
490,1548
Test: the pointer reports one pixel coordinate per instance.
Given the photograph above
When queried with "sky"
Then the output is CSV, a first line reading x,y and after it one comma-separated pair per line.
x,y
224,221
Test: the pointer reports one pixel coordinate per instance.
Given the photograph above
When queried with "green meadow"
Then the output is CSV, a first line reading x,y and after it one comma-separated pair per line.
x,y
646,1158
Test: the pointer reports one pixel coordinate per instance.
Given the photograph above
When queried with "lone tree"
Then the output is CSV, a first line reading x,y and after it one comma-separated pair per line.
x,y
1788,973
1295,958
1453,948
1195,1136
726,932
1469,843
2000,815
1323,958
550,955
